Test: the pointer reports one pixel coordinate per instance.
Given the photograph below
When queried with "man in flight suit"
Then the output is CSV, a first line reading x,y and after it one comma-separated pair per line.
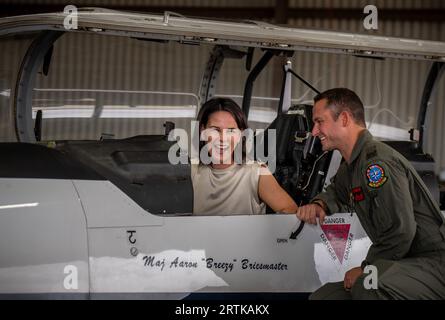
x,y
393,205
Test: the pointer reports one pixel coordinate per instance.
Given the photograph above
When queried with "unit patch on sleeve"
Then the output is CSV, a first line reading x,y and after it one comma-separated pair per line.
x,y
376,176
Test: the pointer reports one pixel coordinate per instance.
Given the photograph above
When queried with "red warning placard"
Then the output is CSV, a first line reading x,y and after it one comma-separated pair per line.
x,y
337,235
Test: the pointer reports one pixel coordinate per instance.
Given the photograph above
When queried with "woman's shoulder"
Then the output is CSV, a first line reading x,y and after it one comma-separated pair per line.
x,y
255,164
257,168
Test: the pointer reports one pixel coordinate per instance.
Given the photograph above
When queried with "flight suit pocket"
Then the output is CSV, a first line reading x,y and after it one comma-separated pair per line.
x,y
380,218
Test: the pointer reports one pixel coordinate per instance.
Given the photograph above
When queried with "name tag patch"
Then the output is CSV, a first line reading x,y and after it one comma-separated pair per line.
x,y
358,194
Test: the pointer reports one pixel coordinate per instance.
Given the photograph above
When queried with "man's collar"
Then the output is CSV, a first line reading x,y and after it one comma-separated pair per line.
x,y
363,137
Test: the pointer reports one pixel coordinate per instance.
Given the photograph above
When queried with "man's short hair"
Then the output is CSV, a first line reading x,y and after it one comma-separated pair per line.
x,y
342,99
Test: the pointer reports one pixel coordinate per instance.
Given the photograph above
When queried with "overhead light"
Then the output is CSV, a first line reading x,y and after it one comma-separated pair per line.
x,y
5,93
22,205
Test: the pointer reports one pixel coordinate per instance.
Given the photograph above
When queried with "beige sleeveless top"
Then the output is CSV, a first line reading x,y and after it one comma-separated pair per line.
x,y
230,191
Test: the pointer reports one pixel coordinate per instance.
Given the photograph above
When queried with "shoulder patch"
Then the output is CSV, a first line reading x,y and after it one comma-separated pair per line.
x,y
376,176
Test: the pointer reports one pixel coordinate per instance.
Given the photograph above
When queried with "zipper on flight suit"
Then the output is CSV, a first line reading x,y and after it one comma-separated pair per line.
x,y
351,204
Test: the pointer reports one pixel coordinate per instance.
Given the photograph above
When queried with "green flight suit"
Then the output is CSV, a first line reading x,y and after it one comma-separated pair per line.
x,y
401,218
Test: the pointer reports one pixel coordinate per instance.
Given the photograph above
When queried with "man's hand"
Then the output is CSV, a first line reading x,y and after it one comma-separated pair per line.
x,y
351,277
310,212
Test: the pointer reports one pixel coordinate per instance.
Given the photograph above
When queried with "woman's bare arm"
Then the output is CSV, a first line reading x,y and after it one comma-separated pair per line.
x,y
273,195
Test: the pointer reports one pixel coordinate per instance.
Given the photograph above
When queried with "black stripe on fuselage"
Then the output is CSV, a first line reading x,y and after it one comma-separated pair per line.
x,y
27,160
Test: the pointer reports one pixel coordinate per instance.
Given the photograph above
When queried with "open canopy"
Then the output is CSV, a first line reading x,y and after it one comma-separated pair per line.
x,y
170,26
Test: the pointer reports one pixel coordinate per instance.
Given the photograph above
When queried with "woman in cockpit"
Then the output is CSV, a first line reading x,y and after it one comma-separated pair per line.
x,y
223,183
